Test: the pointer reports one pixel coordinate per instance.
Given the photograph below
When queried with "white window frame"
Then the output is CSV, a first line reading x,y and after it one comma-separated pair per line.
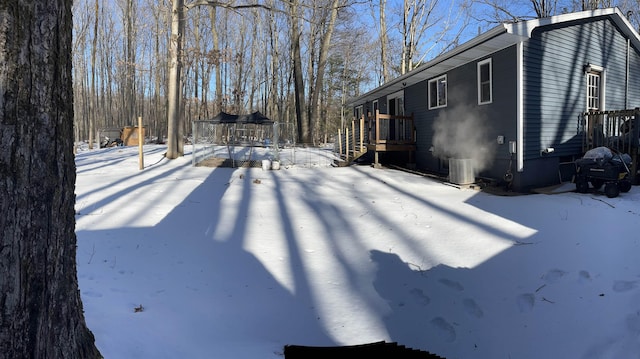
x,y
358,112
438,80
489,82
398,99
599,71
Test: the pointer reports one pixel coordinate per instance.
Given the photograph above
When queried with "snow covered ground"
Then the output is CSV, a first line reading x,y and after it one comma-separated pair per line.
x,y
176,261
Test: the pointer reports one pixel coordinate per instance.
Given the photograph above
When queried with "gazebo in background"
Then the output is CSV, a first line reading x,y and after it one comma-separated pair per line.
x,y
233,138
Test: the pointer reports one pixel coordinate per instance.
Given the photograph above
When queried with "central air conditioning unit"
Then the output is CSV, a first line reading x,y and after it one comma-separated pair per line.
x,y
461,171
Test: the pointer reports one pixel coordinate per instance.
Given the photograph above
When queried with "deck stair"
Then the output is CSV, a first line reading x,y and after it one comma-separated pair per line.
x,y
377,133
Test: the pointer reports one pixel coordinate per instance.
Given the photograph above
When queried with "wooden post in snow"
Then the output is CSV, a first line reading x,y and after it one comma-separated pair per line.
x,y
140,143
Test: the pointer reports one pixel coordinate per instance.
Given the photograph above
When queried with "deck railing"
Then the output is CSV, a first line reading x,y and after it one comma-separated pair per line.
x,y
617,130
391,129
377,132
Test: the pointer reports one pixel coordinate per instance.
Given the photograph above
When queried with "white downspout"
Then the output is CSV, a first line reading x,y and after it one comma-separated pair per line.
x,y
519,108
626,78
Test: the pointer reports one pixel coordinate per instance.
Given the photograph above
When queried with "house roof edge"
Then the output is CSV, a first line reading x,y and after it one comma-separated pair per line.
x,y
514,32
496,31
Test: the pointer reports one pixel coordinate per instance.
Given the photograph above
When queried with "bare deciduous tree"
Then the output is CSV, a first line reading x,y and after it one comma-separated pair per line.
x,y
327,29
384,41
40,308
174,140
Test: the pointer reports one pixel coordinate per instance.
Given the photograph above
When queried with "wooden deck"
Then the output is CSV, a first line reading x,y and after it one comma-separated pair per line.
x,y
391,147
378,133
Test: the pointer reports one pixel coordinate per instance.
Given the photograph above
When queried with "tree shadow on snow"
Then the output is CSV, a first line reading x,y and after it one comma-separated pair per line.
x,y
546,295
201,291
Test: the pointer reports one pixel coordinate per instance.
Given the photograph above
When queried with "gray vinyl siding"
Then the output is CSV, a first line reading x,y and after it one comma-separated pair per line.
x,y
415,102
555,82
633,100
497,118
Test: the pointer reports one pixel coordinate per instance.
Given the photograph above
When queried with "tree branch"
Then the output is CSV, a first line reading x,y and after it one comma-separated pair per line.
x,y
225,5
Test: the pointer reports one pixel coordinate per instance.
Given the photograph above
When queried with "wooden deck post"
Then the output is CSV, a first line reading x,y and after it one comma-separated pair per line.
x,y
340,141
377,126
376,163
353,139
362,134
346,147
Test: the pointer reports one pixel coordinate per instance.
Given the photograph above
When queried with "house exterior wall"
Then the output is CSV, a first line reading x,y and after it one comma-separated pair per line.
x,y
634,79
415,102
367,107
554,90
463,112
554,94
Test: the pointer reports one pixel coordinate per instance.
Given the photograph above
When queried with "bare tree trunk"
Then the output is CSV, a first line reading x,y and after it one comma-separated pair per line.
x,y
175,83
239,65
158,74
298,81
273,108
322,64
196,60
218,57
40,308
94,93
405,34
130,73
252,61
384,41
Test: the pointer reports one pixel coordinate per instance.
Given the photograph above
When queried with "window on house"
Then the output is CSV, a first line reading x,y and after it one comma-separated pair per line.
x,y
485,89
438,92
357,112
594,90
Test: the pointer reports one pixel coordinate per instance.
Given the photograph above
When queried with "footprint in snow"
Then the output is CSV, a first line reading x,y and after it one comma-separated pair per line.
x,y
525,302
452,284
472,308
633,322
419,296
445,330
553,275
623,286
584,276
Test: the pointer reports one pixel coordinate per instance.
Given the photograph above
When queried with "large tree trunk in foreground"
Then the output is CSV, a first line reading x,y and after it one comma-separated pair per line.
x,y
40,308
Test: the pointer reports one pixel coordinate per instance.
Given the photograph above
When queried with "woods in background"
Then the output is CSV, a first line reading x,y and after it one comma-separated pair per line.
x,y
296,61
